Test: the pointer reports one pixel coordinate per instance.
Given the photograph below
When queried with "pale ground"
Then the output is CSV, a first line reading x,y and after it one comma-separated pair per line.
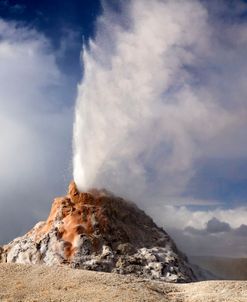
x,y
40,283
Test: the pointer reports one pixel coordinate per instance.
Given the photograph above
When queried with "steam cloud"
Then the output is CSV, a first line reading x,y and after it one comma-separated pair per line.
x,y
156,96
35,130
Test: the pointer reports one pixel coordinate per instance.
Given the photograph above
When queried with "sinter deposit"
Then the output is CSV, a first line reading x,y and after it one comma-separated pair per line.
x,y
101,232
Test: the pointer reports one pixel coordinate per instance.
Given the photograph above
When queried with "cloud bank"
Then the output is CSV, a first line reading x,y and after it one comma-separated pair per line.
x,y
218,232
35,127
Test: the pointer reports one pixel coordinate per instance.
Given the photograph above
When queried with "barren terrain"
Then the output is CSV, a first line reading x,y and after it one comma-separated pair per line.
x,y
42,283
224,268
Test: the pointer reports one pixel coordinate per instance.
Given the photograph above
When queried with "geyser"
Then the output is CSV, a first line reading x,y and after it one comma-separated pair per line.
x,y
142,114
99,231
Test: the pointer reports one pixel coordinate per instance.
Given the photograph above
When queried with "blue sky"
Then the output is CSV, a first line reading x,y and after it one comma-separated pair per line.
x,y
59,21
54,17
41,68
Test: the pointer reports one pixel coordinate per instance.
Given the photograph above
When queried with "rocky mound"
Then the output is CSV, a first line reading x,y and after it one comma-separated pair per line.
x,y
101,232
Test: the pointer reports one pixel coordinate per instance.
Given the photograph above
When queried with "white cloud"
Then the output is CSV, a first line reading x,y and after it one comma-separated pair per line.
x,y
35,125
180,217
192,230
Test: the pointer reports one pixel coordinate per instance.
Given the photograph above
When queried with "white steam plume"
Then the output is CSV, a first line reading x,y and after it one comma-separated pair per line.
x,y
145,110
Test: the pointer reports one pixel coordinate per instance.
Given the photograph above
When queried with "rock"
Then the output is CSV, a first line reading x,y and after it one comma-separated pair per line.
x,y
99,231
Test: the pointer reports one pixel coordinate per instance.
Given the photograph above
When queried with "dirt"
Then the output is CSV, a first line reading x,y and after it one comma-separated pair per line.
x,y
49,284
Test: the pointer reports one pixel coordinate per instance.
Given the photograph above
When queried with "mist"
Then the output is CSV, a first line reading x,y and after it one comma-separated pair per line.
x,y
159,93
35,127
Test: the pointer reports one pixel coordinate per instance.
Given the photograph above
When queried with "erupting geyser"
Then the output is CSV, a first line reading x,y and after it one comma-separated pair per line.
x,y
142,116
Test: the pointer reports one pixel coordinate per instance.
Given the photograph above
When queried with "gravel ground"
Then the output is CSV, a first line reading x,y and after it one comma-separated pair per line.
x,y
49,284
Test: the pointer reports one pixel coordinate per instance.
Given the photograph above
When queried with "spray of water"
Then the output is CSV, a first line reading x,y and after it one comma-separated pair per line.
x,y
143,114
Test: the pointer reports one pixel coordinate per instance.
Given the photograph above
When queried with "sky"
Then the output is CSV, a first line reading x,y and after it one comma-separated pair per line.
x,y
156,94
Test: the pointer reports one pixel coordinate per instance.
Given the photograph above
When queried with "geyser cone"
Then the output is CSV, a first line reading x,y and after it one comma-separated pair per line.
x,y
98,231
